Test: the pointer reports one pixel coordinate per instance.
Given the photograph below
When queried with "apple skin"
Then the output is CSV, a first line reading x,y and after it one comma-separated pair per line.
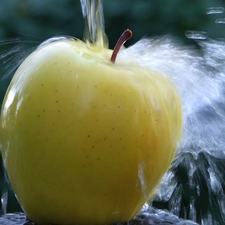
x,y
86,141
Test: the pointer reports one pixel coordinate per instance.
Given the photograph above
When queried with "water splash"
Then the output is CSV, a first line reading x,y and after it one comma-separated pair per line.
x,y
200,87
12,56
12,53
194,187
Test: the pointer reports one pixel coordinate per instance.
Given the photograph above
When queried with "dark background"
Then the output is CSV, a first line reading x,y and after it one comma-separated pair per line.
x,y
26,23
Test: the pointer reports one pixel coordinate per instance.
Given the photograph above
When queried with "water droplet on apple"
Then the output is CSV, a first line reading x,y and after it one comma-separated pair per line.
x,y
57,38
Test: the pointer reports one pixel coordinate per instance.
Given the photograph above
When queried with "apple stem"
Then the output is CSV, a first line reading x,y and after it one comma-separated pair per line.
x,y
126,35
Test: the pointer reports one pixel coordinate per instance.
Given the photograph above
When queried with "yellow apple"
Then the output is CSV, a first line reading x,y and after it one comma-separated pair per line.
x,y
85,139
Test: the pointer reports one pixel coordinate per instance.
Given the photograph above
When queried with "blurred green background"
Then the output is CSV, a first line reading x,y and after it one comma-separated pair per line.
x,y
26,23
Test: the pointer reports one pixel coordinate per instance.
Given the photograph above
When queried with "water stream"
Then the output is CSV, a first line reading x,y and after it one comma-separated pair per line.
x,y
94,22
194,188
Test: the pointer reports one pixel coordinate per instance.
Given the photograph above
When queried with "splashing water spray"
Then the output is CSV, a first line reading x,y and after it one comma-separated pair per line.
x,y
194,186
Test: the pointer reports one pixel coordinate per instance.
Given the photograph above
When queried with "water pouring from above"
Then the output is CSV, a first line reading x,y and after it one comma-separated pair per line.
x,y
94,21
119,127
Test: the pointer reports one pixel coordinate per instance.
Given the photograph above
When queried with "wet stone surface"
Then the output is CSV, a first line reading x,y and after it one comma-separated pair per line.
x,y
150,216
